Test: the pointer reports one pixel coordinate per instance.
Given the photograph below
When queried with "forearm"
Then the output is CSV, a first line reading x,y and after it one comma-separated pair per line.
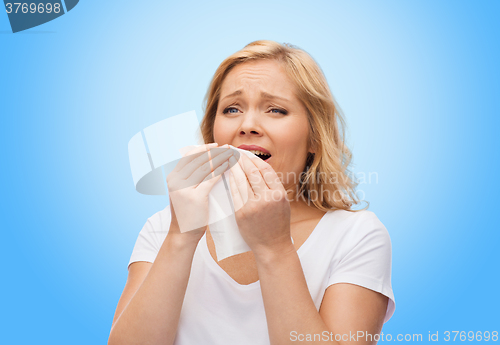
x,y
152,315
287,301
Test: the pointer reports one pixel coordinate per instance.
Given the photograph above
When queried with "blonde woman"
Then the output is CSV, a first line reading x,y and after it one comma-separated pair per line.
x,y
317,271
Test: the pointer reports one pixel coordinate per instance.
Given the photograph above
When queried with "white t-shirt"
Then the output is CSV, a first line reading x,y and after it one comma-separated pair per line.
x,y
345,247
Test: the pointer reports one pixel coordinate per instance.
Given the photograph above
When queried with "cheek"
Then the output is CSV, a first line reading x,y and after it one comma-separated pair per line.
x,y
294,136
221,131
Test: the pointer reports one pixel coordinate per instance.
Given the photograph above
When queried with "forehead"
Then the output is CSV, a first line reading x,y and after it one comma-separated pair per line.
x,y
264,75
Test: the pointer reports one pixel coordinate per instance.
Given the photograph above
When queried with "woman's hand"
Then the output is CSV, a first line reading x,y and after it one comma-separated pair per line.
x,y
189,185
261,206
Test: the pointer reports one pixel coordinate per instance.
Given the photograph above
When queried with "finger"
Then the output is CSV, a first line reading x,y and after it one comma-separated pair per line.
x,y
207,169
270,177
253,174
191,155
240,180
204,160
209,181
220,158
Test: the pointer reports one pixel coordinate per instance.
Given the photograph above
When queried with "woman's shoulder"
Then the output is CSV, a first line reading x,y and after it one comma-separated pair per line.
x,y
160,221
151,237
355,225
352,217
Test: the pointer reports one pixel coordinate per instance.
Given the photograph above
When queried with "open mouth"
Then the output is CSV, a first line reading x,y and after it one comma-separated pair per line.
x,y
260,152
263,156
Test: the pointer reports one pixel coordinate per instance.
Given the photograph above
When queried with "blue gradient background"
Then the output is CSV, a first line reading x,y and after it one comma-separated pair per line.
x,y
418,82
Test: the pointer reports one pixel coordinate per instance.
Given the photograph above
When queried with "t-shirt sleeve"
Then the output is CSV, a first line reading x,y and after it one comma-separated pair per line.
x,y
368,261
151,237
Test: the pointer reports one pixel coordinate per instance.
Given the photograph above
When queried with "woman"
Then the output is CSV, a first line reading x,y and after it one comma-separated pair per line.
x,y
317,270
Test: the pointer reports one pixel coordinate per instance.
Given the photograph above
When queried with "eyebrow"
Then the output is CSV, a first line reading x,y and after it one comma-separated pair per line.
x,y
262,94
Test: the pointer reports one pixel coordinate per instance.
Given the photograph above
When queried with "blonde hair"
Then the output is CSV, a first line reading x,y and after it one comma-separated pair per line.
x,y
325,118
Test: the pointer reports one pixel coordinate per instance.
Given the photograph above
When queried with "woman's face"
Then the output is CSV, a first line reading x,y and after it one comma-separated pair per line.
x,y
258,106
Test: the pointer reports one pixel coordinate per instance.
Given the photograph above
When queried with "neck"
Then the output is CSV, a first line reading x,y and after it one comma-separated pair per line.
x,y
301,210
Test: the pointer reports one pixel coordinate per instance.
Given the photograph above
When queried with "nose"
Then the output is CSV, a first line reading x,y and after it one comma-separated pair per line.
x,y
250,124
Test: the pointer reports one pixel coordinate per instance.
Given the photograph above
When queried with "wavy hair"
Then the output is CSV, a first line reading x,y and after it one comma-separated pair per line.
x,y
326,123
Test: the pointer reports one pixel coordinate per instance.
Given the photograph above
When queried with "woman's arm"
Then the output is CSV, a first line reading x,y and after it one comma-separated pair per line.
x,y
152,315
292,316
263,217
136,274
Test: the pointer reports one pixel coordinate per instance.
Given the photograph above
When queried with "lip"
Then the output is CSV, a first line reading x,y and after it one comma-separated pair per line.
x,y
255,147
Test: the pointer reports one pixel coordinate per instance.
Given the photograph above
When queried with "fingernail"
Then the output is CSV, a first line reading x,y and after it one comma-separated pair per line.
x,y
213,144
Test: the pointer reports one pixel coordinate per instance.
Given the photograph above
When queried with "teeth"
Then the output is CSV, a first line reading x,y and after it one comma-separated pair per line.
x,y
255,152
